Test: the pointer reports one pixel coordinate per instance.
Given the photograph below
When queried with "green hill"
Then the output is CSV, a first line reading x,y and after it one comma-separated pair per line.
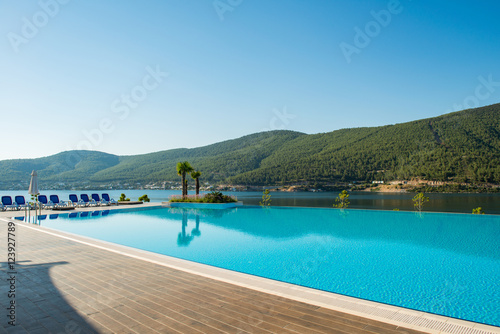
x,y
463,147
71,166
217,161
82,168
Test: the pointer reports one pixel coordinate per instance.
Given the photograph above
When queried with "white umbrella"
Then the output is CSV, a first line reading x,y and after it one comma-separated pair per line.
x,y
33,189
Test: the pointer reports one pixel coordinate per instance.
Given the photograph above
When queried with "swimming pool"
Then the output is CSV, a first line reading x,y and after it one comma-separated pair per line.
x,y
448,264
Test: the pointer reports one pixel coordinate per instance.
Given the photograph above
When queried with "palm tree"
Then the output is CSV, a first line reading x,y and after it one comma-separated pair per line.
x,y
182,169
196,175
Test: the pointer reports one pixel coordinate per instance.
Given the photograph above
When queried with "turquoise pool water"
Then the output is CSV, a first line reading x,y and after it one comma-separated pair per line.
x,y
447,264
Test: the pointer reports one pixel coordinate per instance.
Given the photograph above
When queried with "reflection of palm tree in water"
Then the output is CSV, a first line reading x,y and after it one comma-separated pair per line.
x,y
184,239
196,231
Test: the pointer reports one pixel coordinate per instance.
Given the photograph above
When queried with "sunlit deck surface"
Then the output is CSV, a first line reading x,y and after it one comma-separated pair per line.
x,y
66,286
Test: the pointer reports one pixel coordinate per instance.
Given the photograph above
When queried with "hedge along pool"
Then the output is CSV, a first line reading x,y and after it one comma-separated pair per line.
x,y
447,264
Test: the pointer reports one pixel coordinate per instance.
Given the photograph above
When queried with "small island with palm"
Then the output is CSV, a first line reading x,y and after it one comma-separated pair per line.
x,y
214,197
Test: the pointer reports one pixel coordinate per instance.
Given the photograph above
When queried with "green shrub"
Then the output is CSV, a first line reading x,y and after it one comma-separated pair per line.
x,y
144,198
478,211
123,198
213,197
217,197
419,200
342,201
266,198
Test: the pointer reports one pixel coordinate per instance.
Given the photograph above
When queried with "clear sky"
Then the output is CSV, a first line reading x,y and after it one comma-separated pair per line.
x,y
130,77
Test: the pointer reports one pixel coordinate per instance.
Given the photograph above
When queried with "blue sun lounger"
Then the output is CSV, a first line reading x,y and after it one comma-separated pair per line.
x,y
73,199
44,202
98,200
106,198
8,204
21,202
87,201
54,200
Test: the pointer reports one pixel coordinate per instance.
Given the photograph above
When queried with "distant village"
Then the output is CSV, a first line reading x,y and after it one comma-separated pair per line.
x,y
174,185
374,186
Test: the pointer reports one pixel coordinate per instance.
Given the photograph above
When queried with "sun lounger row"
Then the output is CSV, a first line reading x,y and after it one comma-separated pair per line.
x,y
53,201
94,200
18,203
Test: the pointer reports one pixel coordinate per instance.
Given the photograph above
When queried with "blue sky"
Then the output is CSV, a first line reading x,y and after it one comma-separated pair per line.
x,y
130,77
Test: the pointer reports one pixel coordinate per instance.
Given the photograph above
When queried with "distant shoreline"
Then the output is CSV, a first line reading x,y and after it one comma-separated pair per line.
x,y
393,187
412,186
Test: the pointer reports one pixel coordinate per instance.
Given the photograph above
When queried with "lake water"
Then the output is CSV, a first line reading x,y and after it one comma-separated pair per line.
x,y
463,203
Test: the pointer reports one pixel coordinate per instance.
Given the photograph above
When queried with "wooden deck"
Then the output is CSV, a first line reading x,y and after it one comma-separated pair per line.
x,y
63,286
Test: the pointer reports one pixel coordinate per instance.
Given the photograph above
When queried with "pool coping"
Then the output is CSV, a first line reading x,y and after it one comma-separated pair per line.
x,y
150,205
214,206
399,316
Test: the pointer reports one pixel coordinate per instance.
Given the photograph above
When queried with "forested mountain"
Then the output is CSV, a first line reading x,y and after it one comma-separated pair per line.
x,y
217,162
463,146
71,166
